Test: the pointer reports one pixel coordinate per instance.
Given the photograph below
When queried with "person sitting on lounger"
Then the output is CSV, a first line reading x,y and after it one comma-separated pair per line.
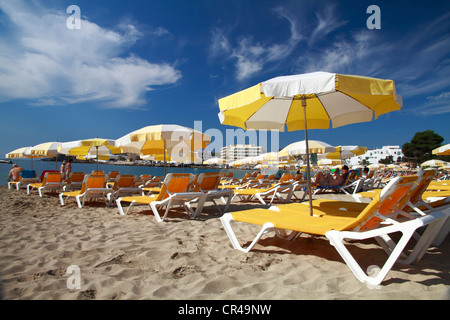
x,y
328,180
14,173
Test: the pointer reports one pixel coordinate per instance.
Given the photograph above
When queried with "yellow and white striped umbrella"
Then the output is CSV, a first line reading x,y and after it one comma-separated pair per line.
x,y
442,150
89,147
299,148
434,163
309,101
156,139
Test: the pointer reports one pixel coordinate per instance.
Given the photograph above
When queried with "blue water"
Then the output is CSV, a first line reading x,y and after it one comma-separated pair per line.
x,y
39,166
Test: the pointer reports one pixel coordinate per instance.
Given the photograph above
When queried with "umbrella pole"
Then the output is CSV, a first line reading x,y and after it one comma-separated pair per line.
x,y
164,159
97,158
308,173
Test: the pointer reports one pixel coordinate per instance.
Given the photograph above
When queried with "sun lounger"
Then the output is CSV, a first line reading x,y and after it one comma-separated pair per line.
x,y
375,220
348,183
26,177
124,186
208,184
93,187
262,194
173,192
74,181
52,181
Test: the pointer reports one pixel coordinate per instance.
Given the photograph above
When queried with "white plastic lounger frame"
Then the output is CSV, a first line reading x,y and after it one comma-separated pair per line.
x,y
181,198
434,221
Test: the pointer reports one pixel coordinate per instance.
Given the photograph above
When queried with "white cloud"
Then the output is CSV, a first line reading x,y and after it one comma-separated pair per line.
x,y
42,60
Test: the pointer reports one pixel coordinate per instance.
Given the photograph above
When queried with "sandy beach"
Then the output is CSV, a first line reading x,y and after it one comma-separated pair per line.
x,y
135,257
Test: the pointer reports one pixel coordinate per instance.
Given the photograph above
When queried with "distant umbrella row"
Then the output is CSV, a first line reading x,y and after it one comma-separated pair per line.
x,y
155,141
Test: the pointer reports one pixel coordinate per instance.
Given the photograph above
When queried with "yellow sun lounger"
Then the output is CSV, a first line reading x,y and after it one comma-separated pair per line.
x,y
208,184
93,187
74,181
262,194
374,221
52,181
26,177
173,192
123,185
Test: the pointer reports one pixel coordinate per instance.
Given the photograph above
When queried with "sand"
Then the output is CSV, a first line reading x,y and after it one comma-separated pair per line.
x,y
135,257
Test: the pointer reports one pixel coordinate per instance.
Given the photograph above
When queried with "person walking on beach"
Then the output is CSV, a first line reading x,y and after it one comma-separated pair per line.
x,y
62,169
14,173
68,168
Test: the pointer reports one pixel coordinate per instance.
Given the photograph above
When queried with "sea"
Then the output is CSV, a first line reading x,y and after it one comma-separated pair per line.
x,y
40,165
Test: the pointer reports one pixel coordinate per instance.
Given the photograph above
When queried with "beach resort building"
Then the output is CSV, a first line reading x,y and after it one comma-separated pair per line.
x,y
239,151
375,155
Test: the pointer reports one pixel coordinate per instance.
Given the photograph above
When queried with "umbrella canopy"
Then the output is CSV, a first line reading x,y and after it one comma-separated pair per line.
x,y
309,101
156,139
442,150
434,163
345,152
45,150
299,148
214,161
21,153
89,147
376,166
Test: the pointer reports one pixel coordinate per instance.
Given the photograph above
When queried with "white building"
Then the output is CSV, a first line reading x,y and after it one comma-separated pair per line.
x,y
239,151
375,155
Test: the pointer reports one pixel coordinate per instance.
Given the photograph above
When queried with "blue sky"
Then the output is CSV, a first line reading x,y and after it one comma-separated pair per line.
x,y
139,63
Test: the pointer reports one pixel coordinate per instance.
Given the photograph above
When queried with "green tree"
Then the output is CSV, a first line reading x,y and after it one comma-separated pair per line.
x,y
421,145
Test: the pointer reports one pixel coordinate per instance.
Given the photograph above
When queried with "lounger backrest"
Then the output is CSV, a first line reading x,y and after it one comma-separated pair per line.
x,y
52,177
424,180
96,181
76,177
208,181
98,172
247,176
174,183
284,177
386,204
113,174
124,181
27,174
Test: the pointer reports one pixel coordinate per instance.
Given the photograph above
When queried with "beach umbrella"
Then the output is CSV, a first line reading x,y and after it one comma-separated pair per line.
x,y
376,166
21,153
45,150
442,150
213,161
345,152
89,147
309,101
162,138
300,148
434,163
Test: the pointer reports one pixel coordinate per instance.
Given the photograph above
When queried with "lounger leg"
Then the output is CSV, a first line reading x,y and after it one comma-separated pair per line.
x,y
61,199
227,218
119,206
78,200
406,228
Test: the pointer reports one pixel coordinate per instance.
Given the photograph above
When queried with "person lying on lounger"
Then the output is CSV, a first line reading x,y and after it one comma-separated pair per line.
x,y
328,180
